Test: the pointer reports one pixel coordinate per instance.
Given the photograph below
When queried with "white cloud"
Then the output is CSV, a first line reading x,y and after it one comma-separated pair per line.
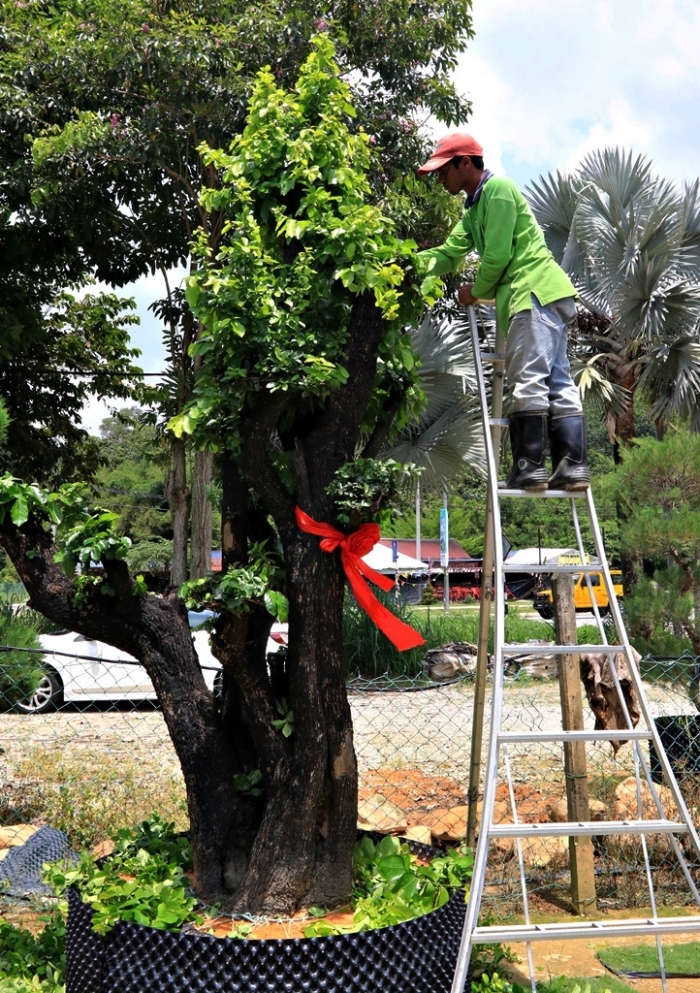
x,y
550,81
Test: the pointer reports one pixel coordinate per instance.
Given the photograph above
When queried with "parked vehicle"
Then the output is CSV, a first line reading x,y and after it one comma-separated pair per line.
x,y
76,669
544,603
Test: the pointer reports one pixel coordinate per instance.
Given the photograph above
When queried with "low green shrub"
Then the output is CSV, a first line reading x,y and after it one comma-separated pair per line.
x,y
20,671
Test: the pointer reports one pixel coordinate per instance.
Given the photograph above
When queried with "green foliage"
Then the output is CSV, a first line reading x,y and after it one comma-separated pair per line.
x,y
248,783
143,881
238,588
92,540
32,963
20,672
299,241
494,982
658,485
131,481
285,723
366,490
391,885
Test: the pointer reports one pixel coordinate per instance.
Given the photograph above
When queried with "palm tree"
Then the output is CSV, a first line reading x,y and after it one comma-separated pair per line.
x,y
448,433
631,243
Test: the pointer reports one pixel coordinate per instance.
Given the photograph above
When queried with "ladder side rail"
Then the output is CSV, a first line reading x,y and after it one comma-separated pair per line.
x,y
481,673
639,757
644,708
521,865
600,554
481,854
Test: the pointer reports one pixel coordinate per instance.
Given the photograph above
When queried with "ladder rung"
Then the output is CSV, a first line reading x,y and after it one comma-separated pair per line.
x,y
551,494
498,422
562,649
572,829
586,929
550,567
493,356
534,737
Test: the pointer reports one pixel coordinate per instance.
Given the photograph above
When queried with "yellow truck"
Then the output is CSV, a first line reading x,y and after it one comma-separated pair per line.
x,y
544,604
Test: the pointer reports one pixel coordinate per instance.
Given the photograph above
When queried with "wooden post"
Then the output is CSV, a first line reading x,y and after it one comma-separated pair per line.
x,y
580,848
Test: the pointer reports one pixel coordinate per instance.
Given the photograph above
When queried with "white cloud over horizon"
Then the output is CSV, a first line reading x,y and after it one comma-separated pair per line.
x,y
551,81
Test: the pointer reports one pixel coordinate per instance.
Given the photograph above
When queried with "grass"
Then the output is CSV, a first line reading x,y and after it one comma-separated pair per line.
x,y
90,793
682,960
576,984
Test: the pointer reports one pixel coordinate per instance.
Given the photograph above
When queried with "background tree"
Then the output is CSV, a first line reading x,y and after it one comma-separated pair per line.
x,y
303,361
116,97
631,243
659,483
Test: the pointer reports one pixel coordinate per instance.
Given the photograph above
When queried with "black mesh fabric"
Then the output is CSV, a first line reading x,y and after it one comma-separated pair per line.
x,y
20,870
418,956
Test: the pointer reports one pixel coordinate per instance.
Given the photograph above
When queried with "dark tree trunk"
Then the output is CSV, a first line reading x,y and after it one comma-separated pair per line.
x,y
177,495
201,522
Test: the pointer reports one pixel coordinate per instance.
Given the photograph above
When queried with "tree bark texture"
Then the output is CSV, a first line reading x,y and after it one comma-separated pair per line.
x,y
177,495
201,519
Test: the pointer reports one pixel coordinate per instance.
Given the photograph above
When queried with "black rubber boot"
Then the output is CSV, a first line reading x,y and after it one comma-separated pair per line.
x,y
569,445
528,442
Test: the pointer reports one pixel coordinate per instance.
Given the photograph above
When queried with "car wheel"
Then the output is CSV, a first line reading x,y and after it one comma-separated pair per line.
x,y
47,695
546,613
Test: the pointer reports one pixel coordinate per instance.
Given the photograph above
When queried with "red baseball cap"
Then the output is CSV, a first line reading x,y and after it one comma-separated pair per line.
x,y
449,146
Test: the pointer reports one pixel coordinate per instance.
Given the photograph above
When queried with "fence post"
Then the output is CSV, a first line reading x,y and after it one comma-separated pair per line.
x,y
575,772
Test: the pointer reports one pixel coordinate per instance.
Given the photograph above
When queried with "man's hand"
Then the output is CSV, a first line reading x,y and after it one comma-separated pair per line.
x,y
465,296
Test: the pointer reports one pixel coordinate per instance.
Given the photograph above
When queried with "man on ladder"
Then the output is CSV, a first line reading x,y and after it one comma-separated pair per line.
x,y
534,306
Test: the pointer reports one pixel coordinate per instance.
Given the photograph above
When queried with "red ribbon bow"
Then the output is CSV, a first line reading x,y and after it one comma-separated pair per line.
x,y
352,548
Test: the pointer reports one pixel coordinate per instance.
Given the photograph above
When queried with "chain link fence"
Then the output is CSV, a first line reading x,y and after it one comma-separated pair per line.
x,y
84,748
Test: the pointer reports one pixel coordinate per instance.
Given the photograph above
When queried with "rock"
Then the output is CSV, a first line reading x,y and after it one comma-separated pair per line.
x,y
557,812
456,658
16,834
542,851
376,813
625,808
419,832
448,825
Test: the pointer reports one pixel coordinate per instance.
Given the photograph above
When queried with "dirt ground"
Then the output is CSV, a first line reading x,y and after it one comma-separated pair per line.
x,y
579,959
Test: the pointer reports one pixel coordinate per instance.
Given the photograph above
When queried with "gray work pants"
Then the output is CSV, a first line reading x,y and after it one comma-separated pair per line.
x,y
537,368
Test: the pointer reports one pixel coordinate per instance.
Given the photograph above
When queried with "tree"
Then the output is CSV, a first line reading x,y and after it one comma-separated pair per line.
x,y
75,347
631,243
659,482
116,96
304,361
131,480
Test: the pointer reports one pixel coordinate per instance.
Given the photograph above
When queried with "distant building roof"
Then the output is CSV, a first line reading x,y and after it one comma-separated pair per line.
x,y
430,552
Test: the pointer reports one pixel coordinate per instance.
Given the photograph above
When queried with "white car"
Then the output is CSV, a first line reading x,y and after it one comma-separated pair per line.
x,y
76,669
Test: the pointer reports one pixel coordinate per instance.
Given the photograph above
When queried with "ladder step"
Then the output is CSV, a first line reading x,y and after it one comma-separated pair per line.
x,y
561,649
499,422
573,829
585,929
493,357
534,737
550,494
551,567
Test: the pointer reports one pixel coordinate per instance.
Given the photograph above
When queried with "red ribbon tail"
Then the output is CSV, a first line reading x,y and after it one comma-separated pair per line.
x,y
400,634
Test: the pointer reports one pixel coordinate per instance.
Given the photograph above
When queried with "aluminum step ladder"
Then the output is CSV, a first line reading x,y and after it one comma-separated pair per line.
x,y
681,832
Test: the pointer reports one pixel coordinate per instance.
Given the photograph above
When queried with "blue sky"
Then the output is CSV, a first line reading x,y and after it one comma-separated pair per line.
x,y
550,81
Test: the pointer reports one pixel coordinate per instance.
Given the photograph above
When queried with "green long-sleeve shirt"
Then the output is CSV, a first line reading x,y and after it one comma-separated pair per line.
x,y
515,260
